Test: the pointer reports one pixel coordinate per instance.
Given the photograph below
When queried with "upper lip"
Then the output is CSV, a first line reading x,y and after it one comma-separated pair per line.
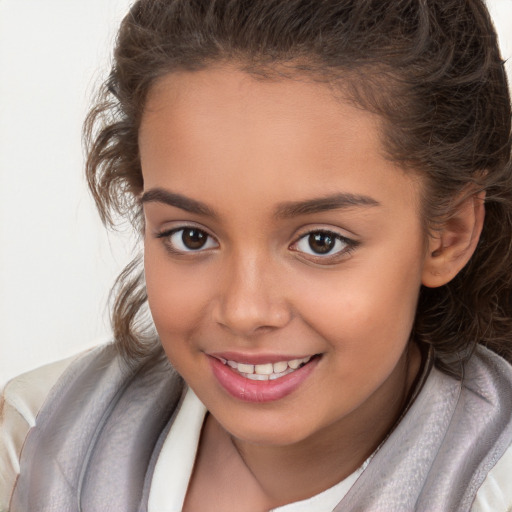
x,y
256,358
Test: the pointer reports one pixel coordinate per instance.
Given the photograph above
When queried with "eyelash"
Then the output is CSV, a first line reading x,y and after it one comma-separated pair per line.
x,y
328,257
348,245
170,245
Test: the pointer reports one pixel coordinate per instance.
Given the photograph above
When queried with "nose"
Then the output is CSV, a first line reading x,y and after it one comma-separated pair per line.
x,y
251,297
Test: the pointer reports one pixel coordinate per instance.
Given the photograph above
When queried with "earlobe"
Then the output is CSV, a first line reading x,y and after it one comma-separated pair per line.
x,y
450,248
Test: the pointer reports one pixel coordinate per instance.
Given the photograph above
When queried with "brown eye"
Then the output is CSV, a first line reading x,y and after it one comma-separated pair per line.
x,y
194,239
324,246
187,240
321,243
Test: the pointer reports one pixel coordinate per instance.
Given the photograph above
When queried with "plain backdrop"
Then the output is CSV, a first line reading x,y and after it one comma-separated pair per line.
x,y
57,262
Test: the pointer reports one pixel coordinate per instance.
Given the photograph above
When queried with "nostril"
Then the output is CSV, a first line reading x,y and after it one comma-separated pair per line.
x,y
247,329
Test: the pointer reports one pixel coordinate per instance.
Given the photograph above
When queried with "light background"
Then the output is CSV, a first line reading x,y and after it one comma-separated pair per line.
x,y
57,263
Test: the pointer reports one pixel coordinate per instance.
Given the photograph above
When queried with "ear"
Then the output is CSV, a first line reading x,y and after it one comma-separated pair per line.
x,y
450,248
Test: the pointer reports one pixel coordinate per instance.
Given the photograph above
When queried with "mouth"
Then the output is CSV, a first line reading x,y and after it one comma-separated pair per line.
x,y
261,380
266,371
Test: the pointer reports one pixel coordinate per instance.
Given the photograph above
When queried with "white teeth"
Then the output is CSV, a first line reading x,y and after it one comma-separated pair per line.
x,y
245,368
267,371
264,369
272,376
280,367
255,376
275,376
297,362
294,364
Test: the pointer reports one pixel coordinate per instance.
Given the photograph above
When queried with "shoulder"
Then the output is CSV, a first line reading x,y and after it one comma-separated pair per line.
x,y
490,372
102,410
486,366
495,494
20,402
24,395
487,385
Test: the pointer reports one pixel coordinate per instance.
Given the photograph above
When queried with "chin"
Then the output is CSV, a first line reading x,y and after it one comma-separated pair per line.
x,y
269,431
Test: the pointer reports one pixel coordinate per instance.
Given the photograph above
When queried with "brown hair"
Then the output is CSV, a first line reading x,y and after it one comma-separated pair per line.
x,y
431,69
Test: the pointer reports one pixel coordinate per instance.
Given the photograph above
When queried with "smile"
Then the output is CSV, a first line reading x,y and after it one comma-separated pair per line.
x,y
267,371
262,381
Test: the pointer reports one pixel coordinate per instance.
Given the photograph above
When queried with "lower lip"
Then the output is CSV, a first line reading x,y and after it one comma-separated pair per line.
x,y
260,391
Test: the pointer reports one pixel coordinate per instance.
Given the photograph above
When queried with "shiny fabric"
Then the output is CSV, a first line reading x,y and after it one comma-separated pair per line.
x,y
442,450
95,436
99,434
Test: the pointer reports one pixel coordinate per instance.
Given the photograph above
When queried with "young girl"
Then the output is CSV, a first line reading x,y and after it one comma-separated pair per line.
x,y
324,190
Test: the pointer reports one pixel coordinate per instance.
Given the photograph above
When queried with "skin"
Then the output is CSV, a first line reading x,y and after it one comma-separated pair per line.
x,y
247,149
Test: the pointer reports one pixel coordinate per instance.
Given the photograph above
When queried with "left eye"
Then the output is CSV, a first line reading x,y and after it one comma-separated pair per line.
x,y
188,239
322,243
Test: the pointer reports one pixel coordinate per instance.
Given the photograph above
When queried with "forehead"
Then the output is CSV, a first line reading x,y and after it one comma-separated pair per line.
x,y
226,102
277,138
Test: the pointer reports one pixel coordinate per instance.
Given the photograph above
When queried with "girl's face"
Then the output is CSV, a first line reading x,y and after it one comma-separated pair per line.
x,y
277,231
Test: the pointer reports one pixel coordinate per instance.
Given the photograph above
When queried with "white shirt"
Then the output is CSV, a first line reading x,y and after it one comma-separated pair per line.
x,y
172,473
23,397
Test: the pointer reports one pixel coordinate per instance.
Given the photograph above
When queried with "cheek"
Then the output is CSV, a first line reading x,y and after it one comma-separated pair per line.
x,y
175,296
366,311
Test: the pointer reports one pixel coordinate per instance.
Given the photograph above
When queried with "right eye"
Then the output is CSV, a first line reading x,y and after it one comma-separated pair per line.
x,y
187,240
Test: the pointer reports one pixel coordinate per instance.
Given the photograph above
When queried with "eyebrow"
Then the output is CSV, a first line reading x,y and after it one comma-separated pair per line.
x,y
284,210
160,195
322,204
